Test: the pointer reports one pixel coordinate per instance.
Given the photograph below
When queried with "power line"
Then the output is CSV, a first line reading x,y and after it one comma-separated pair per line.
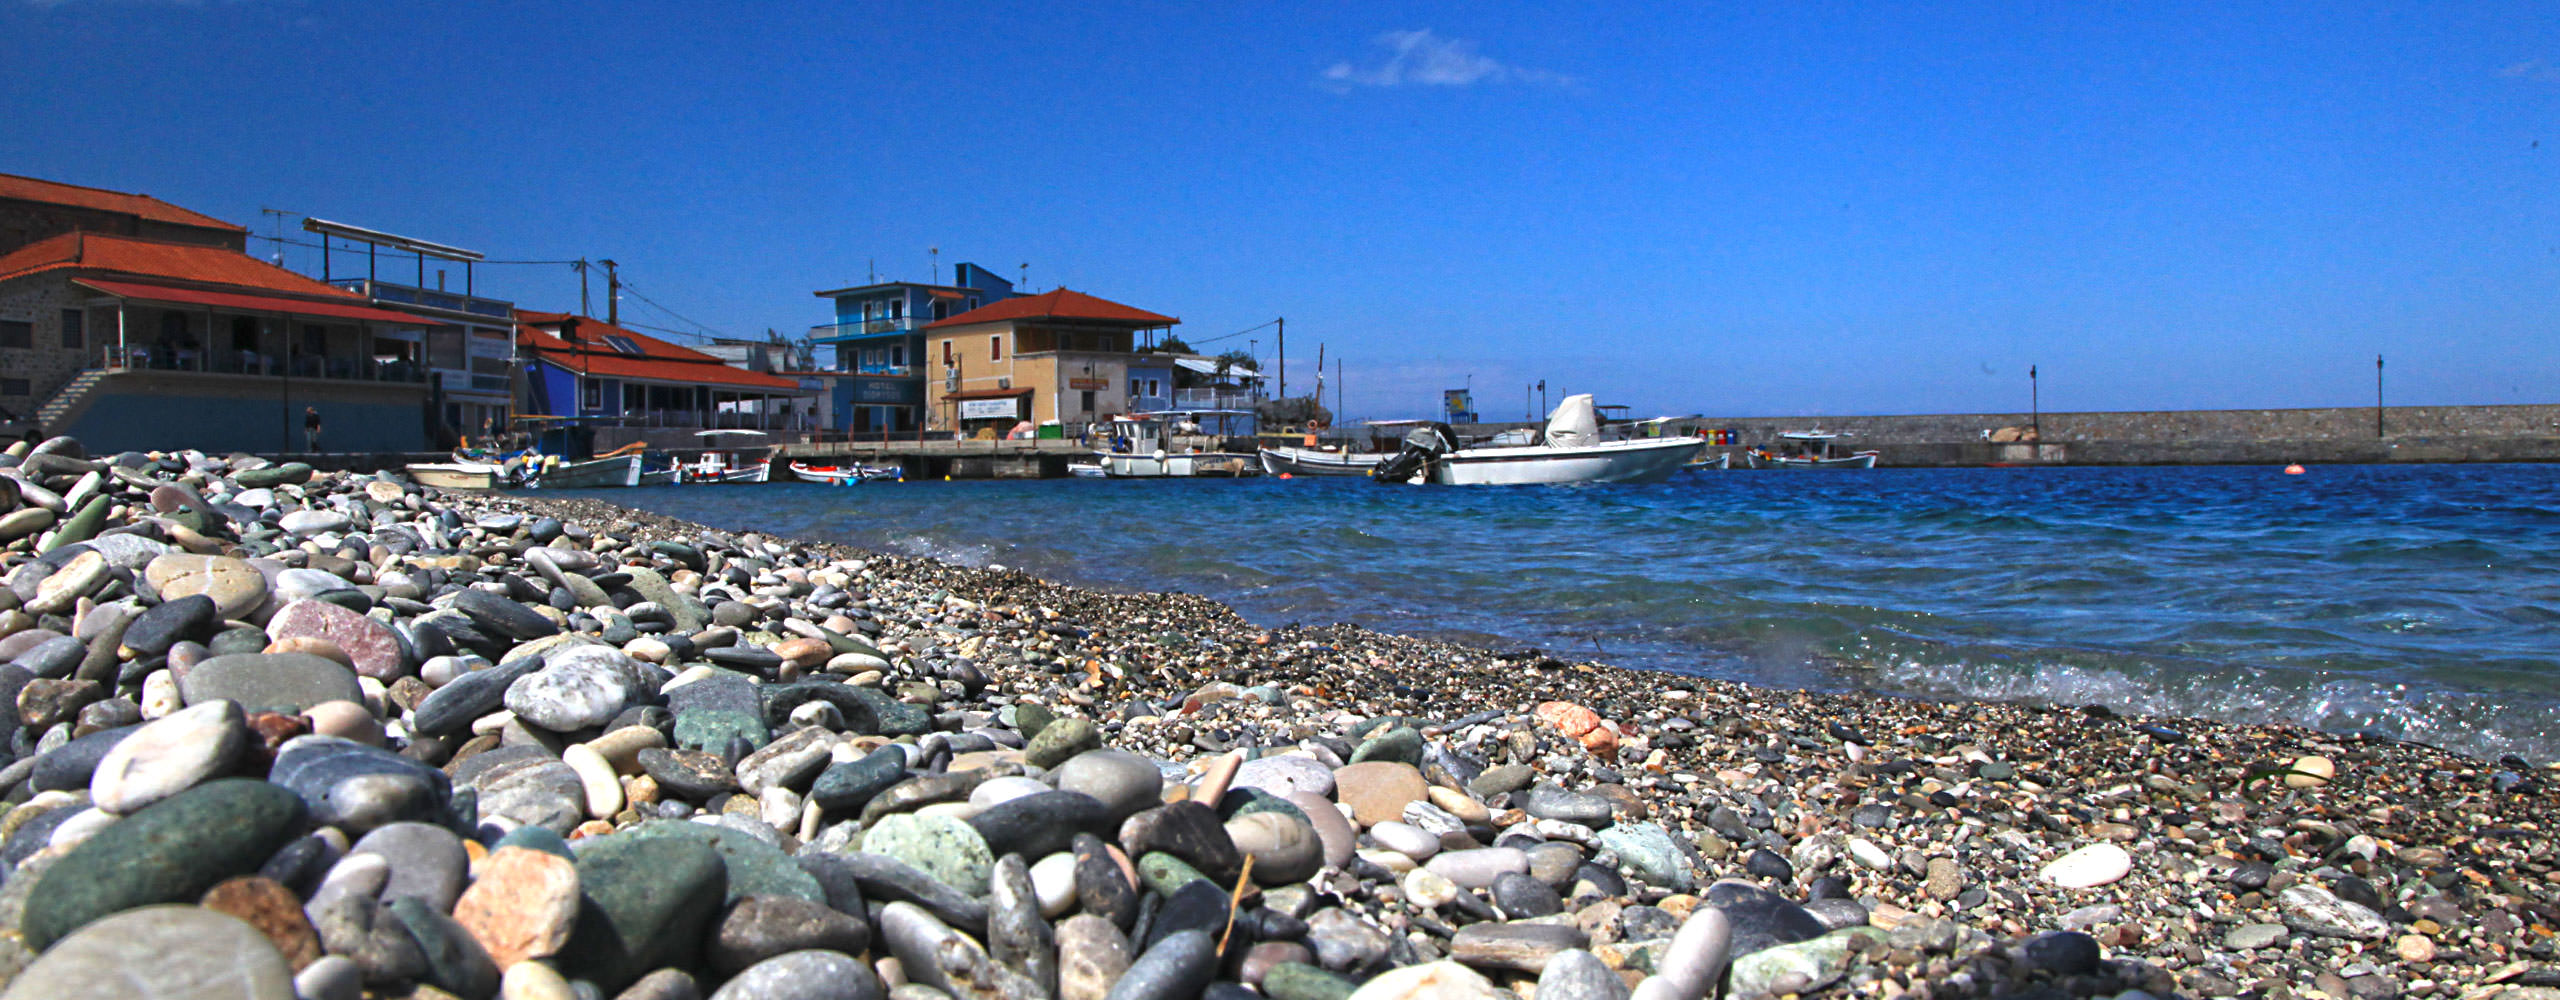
x,y
707,329
1231,336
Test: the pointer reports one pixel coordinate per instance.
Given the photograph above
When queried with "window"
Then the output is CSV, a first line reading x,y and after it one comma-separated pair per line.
x,y
946,353
17,333
898,355
1155,387
590,394
1066,341
315,340
13,387
75,327
995,347
1088,400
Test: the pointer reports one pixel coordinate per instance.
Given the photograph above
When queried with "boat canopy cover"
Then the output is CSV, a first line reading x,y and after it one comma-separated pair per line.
x,y
1574,423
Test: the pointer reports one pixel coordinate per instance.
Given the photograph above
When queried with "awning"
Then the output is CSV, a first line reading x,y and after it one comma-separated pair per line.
x,y
942,293
252,303
987,394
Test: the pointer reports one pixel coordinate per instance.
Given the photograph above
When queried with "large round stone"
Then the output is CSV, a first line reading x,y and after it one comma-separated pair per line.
x,y
270,682
159,953
168,852
945,848
236,587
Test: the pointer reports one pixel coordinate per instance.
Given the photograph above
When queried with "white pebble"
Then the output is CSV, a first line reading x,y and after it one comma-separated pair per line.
x,y
2089,867
595,774
1053,882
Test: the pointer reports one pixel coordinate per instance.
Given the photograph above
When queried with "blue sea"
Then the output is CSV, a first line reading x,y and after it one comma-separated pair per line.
x,y
2417,602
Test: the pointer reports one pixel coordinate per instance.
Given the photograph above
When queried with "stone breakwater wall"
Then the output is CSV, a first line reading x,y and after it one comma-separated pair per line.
x,y
2517,433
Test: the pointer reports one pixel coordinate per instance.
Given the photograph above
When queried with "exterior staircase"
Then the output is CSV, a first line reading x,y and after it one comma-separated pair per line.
x,y
70,402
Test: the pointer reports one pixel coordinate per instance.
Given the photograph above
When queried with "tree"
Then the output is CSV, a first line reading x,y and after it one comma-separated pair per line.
x,y
1235,359
1169,345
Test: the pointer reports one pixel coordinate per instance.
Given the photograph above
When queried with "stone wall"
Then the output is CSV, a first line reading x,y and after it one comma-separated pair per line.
x,y
144,410
46,363
2512,433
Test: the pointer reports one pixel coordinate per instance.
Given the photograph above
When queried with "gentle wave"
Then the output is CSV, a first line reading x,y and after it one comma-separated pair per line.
x,y
2413,602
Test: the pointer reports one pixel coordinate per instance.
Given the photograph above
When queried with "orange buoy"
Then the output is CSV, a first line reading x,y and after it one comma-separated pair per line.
x,y
1286,475
2295,469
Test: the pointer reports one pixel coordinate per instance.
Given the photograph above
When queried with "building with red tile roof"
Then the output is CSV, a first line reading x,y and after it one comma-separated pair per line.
x,y
33,209
130,342
583,367
1059,356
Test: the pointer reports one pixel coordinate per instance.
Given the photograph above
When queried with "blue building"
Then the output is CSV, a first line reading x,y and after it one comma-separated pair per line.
x,y
878,337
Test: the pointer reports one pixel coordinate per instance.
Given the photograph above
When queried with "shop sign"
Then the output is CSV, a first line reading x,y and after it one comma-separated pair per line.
x,y
991,409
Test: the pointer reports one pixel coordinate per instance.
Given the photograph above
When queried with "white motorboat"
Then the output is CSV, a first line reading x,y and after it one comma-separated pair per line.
x,y
742,462
1814,449
1568,451
844,475
1089,470
1290,460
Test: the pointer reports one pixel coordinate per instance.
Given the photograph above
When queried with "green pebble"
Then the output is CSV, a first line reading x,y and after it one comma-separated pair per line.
x,y
1165,874
1300,981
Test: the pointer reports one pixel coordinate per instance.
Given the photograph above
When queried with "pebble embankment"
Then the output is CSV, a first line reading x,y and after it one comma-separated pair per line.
x,y
281,735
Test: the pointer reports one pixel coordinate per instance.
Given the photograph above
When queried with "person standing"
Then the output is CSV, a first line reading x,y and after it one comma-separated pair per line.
x,y
311,429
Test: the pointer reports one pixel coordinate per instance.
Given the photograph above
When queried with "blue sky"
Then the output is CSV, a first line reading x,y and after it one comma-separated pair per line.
x,y
1754,209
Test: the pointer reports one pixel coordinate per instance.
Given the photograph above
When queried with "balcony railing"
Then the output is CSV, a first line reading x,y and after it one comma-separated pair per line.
x,y
901,371
253,363
864,328
1215,399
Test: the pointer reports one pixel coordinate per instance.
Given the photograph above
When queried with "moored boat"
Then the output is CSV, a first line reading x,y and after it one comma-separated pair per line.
x,y
1816,449
456,475
1568,451
615,470
1289,460
742,462
844,475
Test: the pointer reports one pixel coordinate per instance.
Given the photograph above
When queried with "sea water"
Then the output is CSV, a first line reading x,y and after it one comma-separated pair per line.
x,y
2416,602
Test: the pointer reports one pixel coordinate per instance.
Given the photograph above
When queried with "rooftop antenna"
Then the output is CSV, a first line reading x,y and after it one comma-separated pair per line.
x,y
873,264
936,273
1026,276
275,228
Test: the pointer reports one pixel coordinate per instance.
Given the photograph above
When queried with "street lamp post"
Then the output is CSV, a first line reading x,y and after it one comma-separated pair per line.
x,y
2377,397
2035,409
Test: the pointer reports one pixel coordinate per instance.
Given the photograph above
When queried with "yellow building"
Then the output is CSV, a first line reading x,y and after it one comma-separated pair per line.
x,y
1060,356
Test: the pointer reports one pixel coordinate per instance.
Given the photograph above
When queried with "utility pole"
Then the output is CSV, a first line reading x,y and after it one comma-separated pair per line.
x,y
2377,397
1283,324
584,308
1337,389
612,293
1542,398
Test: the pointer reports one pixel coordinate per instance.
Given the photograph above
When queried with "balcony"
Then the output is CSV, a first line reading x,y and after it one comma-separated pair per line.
x,y
863,328
894,371
1215,399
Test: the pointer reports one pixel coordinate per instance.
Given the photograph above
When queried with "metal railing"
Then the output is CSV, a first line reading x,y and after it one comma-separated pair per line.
x,y
864,328
254,363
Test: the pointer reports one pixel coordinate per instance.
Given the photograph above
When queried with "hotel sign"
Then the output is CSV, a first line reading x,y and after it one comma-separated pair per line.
x,y
990,409
1089,383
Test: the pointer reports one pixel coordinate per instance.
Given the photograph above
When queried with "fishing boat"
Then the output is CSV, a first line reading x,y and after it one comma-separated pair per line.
x,y
1291,460
749,460
844,475
656,472
1568,450
1145,446
1813,449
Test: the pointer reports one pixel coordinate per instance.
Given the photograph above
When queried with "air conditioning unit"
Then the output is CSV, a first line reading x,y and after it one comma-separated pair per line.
x,y
951,381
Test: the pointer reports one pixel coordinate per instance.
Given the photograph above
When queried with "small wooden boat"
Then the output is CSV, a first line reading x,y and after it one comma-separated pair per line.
x,y
1804,450
456,475
1709,463
844,475
617,470
1297,461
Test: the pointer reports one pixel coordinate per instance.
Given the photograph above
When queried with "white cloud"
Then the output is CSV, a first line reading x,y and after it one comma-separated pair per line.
x,y
2532,69
1422,58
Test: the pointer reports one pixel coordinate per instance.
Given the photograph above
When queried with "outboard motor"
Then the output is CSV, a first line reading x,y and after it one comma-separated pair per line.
x,y
1421,447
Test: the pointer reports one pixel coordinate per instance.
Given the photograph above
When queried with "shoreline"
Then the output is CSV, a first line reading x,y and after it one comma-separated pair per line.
x,y
2003,731
368,738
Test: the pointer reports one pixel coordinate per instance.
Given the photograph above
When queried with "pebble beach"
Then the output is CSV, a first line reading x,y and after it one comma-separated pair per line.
x,y
278,733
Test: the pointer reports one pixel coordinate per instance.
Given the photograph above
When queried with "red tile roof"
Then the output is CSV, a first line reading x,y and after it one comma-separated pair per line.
x,y
98,253
1056,304
100,199
658,360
